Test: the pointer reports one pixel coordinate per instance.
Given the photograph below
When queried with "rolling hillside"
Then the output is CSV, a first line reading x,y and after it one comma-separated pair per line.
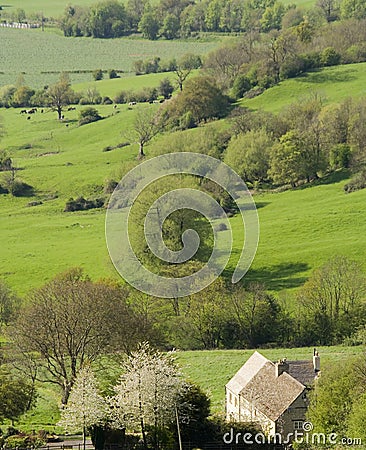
x,y
333,84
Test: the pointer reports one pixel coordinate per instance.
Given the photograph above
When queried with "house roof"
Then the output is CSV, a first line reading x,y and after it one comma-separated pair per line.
x,y
246,373
256,382
269,394
302,371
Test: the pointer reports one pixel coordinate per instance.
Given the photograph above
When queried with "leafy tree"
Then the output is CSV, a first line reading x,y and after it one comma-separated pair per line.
x,y
108,19
86,407
72,320
146,126
22,96
331,402
149,25
148,393
249,155
202,99
15,395
59,95
213,15
170,29
135,10
272,17
286,161
355,9
9,304
166,88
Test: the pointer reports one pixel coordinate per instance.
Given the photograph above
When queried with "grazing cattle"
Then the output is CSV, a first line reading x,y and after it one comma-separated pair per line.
x,y
32,111
132,104
42,111
114,106
71,108
29,117
23,111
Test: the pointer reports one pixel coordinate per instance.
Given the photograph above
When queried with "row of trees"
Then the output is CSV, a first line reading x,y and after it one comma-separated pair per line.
x,y
260,60
181,18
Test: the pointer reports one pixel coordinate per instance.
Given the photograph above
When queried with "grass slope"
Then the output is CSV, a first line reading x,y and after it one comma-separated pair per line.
x,y
333,84
38,52
300,229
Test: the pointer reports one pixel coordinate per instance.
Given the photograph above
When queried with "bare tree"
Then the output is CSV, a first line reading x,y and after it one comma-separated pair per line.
x,y
69,322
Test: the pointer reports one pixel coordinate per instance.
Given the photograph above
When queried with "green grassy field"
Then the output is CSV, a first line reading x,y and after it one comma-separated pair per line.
x,y
211,370
38,52
333,84
134,83
55,8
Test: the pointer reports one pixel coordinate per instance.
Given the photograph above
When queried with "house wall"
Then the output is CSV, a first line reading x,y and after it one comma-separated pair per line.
x,y
294,415
240,410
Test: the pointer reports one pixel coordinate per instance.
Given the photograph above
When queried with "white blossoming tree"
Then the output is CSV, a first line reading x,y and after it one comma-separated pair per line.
x,y
147,393
86,407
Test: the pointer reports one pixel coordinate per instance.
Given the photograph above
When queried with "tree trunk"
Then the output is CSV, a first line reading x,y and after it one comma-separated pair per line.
x,y
141,151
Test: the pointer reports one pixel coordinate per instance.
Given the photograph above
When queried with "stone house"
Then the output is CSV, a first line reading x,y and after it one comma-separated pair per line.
x,y
272,395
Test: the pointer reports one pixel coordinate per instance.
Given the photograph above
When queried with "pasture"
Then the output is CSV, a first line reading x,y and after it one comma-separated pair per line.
x,y
110,88
42,56
300,229
54,8
333,84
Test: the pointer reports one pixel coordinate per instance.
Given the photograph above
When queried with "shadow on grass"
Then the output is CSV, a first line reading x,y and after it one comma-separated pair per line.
x,y
278,276
319,76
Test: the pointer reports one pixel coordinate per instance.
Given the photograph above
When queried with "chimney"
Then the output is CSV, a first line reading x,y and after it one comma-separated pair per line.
x,y
281,366
316,361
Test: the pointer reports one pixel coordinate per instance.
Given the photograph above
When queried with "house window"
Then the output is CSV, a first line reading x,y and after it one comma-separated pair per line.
x,y
298,425
230,398
236,402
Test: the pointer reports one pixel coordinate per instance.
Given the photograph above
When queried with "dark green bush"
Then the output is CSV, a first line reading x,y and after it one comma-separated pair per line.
x,y
88,115
82,204
357,182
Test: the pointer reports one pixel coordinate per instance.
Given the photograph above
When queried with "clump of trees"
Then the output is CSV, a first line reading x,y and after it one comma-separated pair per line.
x,y
338,401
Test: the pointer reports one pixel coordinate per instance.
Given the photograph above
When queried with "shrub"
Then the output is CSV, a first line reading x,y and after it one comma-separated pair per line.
x,y
107,101
110,186
241,85
98,74
88,115
81,204
121,97
330,57
113,74
357,182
